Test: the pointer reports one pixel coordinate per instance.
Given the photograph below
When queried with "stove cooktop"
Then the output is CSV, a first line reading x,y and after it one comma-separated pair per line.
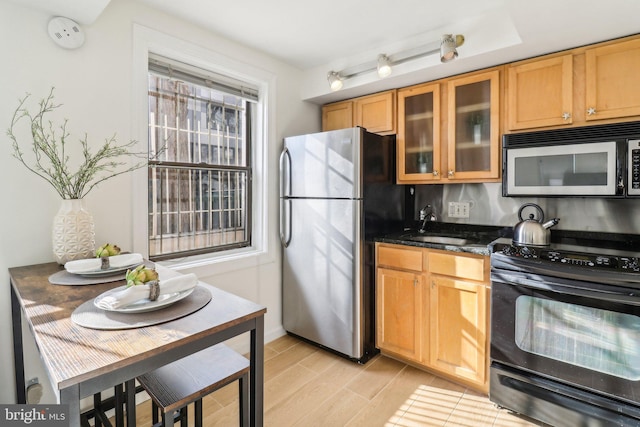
x,y
607,251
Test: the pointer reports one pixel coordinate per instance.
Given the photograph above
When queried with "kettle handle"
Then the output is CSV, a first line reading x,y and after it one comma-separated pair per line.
x,y
540,220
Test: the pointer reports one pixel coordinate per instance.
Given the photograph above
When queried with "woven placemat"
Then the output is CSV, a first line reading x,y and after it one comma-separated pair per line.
x,y
63,277
90,316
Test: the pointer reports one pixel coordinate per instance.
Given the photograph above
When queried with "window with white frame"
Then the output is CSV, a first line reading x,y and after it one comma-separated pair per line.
x,y
200,164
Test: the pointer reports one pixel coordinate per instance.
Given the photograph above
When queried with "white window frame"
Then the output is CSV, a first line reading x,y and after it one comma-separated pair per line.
x,y
262,248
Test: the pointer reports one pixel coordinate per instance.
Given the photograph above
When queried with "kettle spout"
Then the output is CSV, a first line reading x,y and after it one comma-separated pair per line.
x,y
550,223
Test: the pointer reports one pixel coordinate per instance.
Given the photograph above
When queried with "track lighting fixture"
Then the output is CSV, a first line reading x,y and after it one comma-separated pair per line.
x,y
446,47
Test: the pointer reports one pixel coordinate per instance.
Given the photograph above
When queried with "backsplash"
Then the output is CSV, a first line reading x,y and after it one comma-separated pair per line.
x,y
488,207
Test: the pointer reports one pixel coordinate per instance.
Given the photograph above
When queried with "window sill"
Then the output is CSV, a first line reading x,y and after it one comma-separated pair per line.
x,y
217,263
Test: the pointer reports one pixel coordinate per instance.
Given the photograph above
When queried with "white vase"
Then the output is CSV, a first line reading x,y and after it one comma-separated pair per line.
x,y
73,232
477,134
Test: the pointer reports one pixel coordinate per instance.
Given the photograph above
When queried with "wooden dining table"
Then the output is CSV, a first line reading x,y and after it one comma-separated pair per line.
x,y
81,361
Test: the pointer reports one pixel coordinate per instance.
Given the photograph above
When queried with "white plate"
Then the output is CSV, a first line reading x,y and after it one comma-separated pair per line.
x,y
90,267
144,305
108,272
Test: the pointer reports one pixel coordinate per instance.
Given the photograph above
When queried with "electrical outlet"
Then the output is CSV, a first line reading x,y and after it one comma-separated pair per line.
x,y
464,210
459,209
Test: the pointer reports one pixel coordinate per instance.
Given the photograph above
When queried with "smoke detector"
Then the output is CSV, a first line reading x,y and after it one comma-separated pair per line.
x,y
66,32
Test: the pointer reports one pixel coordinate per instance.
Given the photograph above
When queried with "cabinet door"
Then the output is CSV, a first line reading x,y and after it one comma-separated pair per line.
x,y
458,328
540,93
613,81
398,312
418,138
337,116
377,113
473,127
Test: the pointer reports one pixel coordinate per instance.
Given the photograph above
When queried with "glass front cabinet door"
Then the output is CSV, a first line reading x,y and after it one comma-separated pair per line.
x,y
418,136
473,140
450,138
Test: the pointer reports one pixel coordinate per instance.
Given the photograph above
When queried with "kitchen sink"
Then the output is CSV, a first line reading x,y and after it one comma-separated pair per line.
x,y
443,240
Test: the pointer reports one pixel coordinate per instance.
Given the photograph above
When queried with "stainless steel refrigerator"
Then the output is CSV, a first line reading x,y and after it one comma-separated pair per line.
x,y
337,191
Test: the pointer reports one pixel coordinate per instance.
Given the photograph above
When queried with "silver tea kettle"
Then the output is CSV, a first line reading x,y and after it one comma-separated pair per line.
x,y
531,231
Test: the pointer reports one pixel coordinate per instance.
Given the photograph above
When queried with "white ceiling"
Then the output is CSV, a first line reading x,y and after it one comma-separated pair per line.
x,y
308,34
319,36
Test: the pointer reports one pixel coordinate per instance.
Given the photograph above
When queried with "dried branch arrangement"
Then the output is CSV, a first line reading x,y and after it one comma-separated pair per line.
x,y
50,147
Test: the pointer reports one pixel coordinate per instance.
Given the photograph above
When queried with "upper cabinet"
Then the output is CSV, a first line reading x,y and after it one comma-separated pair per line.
x,y
577,88
613,81
473,141
338,115
448,131
376,113
540,93
418,137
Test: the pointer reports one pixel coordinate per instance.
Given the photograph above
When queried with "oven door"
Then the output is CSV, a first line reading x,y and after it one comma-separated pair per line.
x,y
579,333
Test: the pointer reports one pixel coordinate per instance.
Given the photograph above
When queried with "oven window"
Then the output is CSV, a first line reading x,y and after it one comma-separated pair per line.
x,y
592,338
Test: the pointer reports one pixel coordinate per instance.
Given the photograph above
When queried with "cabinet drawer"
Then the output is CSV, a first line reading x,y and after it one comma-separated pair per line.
x,y
406,259
465,267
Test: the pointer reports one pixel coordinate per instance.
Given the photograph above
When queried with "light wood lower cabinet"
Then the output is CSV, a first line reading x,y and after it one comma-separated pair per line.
x,y
399,312
433,310
457,328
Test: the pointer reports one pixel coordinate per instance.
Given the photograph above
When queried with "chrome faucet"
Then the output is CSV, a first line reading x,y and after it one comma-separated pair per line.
x,y
427,215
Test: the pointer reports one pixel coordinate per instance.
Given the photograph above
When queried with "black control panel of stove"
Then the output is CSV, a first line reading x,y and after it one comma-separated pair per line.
x,y
621,263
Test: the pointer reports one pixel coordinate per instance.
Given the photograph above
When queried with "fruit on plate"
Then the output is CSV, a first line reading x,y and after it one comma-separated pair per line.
x,y
140,275
107,249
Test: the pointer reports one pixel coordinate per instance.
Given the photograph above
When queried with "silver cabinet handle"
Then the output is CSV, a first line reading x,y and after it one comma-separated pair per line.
x,y
566,116
591,111
436,173
450,173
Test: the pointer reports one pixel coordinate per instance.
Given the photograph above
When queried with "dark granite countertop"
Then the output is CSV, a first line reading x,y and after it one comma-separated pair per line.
x,y
476,237
479,237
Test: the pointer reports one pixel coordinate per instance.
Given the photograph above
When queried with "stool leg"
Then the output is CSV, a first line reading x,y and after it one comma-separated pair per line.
x,y
97,407
167,419
244,400
154,412
198,413
183,417
119,404
130,396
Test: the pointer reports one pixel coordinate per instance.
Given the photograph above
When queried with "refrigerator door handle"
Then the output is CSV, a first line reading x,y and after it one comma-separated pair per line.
x,y
285,172
285,222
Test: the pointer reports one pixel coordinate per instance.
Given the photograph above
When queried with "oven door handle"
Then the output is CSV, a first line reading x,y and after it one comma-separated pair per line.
x,y
612,293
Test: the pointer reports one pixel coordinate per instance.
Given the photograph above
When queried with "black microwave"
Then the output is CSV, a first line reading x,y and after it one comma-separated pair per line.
x,y
589,161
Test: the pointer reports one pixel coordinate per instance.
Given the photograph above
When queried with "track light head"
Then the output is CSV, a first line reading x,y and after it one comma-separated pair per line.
x,y
335,81
384,66
448,45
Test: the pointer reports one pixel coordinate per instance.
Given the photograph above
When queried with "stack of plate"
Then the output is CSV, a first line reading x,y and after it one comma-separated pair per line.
x,y
91,267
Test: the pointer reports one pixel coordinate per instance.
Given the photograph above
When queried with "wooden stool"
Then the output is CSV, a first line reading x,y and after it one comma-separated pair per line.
x,y
176,385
